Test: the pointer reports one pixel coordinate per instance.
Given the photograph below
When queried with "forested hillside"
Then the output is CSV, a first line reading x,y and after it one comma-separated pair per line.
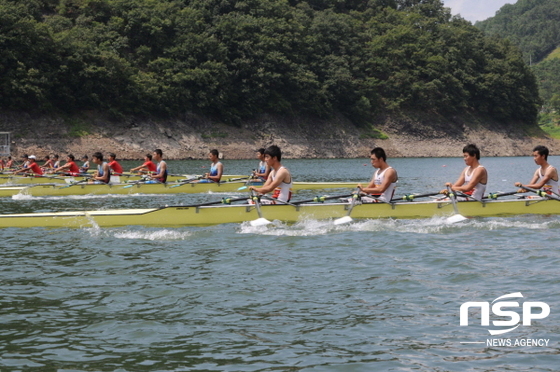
x,y
236,59
534,26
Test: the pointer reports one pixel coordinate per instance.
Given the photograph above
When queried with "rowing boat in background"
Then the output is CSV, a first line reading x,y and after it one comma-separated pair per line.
x,y
150,188
126,177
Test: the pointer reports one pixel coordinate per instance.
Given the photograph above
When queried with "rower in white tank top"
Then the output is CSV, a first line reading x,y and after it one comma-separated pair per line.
x,y
478,191
551,185
378,178
284,191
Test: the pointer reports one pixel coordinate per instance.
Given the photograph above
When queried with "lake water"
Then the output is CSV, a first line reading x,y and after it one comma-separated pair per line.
x,y
370,296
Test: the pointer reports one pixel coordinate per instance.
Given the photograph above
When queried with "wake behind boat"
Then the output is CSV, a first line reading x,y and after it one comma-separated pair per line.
x,y
205,214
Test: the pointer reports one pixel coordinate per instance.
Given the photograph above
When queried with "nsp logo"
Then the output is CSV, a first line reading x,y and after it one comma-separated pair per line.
x,y
497,309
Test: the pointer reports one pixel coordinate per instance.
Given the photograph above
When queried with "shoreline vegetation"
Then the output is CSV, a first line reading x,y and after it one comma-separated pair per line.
x,y
319,79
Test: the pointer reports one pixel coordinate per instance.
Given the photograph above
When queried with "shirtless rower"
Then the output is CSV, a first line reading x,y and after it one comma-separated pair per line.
x,y
474,178
32,167
216,168
262,172
280,180
70,168
545,177
147,167
384,180
103,174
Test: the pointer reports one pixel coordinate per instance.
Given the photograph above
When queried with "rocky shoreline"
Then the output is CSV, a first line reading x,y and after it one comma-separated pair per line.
x,y
191,137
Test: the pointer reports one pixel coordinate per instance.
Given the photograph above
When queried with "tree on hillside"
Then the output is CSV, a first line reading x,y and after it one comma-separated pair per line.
x,y
235,59
532,25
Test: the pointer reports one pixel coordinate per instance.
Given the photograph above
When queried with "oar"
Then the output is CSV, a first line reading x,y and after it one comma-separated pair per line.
x,y
347,218
246,183
223,201
496,195
411,197
74,183
278,201
261,221
132,184
34,175
237,179
542,193
456,217
185,182
321,199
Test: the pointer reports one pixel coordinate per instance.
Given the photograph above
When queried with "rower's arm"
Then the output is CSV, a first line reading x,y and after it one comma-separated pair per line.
x,y
162,169
218,177
62,167
475,180
265,174
270,185
390,177
106,173
548,175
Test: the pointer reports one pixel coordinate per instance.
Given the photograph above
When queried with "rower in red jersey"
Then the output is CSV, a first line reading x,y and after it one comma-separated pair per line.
x,y
32,167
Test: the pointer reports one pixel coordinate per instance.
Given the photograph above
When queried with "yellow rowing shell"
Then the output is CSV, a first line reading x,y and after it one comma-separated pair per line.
x,y
127,177
212,215
151,188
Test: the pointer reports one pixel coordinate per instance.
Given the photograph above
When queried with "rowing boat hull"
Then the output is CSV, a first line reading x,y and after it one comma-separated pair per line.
x,y
145,188
212,215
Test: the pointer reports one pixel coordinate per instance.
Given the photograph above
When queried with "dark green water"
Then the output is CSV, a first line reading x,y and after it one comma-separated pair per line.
x,y
370,296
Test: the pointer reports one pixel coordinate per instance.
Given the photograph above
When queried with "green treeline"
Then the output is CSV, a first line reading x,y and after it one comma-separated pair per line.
x,y
235,59
532,25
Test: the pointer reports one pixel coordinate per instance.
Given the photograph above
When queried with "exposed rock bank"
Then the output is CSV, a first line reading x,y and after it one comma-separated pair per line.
x,y
192,136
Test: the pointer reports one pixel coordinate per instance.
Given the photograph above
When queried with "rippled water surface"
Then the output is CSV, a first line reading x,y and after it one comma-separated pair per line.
x,y
369,296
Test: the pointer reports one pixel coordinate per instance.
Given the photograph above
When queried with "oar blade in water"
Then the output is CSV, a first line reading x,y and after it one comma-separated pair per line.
x,y
343,220
260,222
455,218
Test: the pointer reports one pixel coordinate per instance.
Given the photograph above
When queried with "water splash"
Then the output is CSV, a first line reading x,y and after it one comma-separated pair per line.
x,y
151,235
434,225
159,235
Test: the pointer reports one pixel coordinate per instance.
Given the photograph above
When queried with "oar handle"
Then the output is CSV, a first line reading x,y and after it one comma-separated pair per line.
x,y
278,201
223,201
411,197
132,184
496,195
543,194
75,183
184,182
255,198
453,199
321,199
